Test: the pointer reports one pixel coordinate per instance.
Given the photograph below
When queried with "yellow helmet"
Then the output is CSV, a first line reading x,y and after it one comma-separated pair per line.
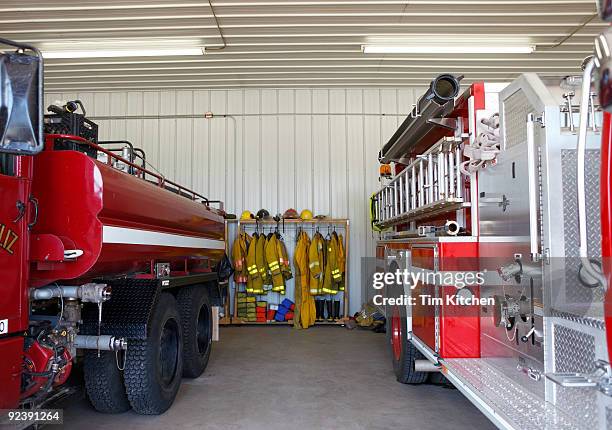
x,y
246,215
306,214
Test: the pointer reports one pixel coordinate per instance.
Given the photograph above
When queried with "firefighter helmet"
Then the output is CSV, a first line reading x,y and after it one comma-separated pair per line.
x,y
262,213
306,214
246,215
291,214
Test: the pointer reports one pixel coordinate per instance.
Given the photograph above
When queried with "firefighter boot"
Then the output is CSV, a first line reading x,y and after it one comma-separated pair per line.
x,y
336,310
319,310
330,309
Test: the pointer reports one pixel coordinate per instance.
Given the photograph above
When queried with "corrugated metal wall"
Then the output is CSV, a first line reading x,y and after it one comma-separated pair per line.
x,y
302,148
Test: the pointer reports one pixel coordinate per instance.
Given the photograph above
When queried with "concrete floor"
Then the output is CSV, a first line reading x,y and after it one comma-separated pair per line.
x,y
278,378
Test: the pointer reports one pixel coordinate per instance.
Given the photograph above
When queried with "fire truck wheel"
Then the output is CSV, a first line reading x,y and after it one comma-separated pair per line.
x,y
403,352
154,366
196,316
437,378
104,382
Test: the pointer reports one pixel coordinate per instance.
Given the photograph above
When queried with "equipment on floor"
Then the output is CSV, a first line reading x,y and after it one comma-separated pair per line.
x,y
247,306
261,311
285,311
320,309
370,317
101,256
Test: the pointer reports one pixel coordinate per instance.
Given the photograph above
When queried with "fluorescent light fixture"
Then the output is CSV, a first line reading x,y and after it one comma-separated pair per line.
x,y
132,52
424,48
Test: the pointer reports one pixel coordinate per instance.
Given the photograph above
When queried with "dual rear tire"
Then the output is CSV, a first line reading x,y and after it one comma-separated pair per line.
x,y
178,344
196,316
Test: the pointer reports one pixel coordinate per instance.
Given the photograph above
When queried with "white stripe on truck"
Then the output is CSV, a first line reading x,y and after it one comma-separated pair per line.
x,y
133,236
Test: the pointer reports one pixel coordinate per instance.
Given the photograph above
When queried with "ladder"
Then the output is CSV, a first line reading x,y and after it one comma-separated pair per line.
x,y
430,184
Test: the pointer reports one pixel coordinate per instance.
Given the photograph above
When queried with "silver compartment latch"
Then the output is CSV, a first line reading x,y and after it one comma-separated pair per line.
x,y
533,374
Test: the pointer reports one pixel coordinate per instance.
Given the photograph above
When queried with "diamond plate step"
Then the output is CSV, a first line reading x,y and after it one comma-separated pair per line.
x,y
501,399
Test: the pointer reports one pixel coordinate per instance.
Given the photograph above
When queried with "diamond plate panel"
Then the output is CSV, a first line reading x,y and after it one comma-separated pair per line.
x,y
575,292
589,322
516,108
521,408
574,351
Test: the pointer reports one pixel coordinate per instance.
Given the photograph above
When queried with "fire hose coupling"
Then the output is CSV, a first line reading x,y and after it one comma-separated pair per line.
x,y
103,342
512,270
88,293
450,228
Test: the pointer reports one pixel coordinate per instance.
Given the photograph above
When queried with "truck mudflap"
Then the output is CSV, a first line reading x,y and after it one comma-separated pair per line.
x,y
128,311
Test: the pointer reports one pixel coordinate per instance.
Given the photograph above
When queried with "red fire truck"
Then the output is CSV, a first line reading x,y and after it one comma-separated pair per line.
x,y
510,183
100,258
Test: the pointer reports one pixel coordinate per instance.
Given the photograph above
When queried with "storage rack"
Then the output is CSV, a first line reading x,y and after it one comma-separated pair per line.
x,y
285,226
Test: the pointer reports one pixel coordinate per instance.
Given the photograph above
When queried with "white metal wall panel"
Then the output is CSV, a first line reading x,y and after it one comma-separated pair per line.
x,y
304,183
281,148
287,150
373,141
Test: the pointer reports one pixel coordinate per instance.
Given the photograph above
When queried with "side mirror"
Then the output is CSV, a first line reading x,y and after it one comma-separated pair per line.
x,y
603,64
604,7
21,99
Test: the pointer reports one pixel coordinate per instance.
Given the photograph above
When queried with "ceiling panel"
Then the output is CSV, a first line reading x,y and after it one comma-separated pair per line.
x,y
297,43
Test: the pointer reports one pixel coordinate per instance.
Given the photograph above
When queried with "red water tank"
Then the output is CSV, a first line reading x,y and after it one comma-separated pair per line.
x,y
94,220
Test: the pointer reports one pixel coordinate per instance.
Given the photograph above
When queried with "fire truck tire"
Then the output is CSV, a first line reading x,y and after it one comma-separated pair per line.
x,y
104,382
437,378
154,366
403,352
196,316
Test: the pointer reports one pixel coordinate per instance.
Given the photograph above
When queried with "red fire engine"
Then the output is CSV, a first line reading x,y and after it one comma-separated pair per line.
x,y
509,183
100,258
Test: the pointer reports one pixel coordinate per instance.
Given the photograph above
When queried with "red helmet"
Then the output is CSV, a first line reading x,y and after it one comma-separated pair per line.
x,y
291,214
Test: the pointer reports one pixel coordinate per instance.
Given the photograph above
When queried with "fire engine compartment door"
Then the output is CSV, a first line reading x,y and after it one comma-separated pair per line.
x,y
398,260
20,102
425,314
13,253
